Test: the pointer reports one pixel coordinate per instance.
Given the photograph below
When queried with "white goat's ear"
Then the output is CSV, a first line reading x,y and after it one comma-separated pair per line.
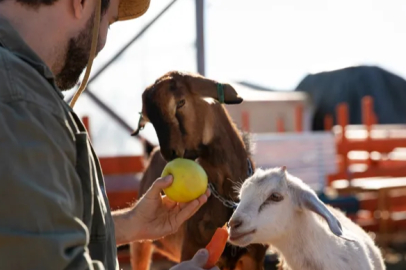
x,y
310,201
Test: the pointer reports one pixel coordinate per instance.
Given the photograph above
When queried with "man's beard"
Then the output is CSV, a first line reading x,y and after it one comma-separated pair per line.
x,y
76,58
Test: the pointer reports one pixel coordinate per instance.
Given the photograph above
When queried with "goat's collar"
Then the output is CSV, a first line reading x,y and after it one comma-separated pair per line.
x,y
220,92
229,203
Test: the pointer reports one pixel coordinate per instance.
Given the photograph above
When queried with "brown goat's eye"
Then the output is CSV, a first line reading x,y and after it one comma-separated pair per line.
x,y
275,197
180,104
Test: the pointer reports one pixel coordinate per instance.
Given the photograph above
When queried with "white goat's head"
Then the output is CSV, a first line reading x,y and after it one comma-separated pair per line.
x,y
269,200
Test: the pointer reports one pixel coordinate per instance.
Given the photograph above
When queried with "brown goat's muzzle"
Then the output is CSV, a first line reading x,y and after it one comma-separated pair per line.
x,y
191,154
170,153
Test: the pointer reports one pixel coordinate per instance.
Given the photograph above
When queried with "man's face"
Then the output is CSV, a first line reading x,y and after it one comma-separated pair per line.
x,y
78,49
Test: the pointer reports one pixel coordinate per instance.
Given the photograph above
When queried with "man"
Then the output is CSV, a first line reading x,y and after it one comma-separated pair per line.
x,y
54,212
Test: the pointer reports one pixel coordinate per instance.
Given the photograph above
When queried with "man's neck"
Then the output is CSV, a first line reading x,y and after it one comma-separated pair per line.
x,y
38,28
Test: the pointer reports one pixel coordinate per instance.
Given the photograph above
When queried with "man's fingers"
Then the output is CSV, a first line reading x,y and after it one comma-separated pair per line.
x,y
208,192
168,202
202,200
189,209
159,184
200,257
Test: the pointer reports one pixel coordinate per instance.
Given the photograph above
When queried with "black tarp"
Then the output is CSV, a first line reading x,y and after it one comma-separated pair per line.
x,y
328,89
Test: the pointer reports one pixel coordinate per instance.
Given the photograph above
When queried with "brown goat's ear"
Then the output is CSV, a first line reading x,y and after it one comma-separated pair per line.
x,y
230,95
141,124
222,92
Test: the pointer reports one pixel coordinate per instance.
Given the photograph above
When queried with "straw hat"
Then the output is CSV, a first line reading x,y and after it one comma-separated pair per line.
x,y
131,9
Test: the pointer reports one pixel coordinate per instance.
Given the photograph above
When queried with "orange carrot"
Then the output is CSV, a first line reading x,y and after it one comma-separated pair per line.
x,y
216,247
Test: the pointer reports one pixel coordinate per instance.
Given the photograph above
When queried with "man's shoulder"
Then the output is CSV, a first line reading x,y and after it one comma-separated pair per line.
x,y
21,82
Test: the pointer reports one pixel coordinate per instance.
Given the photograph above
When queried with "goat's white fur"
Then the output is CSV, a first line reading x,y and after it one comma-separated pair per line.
x,y
303,238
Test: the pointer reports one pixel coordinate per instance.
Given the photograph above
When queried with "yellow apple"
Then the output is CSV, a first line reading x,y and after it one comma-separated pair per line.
x,y
189,180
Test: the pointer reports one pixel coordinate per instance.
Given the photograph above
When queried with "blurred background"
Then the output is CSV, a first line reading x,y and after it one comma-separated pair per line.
x,y
271,44
320,73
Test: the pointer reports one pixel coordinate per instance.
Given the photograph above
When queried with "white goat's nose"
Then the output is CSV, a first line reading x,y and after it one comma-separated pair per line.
x,y
235,223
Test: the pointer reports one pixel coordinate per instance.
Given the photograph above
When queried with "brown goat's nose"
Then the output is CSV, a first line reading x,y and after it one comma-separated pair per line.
x,y
235,223
174,155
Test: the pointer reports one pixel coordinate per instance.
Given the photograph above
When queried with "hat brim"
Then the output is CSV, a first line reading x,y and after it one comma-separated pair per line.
x,y
131,9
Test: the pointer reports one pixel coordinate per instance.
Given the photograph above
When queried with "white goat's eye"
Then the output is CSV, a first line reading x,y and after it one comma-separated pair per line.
x,y
180,104
275,197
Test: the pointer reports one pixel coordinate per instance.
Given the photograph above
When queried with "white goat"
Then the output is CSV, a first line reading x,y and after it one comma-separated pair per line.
x,y
280,210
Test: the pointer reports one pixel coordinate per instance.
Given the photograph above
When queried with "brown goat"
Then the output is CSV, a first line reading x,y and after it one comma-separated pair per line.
x,y
191,123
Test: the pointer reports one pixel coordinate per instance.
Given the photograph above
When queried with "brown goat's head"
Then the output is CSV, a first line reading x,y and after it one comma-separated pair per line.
x,y
182,108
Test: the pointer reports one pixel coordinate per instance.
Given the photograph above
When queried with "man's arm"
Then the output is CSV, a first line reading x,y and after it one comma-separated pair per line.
x,y
40,192
127,229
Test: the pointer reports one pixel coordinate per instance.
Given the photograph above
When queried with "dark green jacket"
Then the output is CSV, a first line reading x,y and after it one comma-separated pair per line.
x,y
54,213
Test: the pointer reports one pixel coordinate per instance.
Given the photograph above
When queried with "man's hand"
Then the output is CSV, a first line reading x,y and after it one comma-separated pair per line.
x,y
159,216
197,263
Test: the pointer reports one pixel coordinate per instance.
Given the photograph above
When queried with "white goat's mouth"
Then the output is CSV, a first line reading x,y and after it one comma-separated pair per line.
x,y
240,236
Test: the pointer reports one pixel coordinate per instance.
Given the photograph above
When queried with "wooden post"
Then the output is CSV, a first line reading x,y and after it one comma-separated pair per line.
x,y
280,125
343,119
201,69
367,110
328,122
367,120
245,121
374,119
85,120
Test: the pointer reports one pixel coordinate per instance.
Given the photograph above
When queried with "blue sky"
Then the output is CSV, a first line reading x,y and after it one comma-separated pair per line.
x,y
273,43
